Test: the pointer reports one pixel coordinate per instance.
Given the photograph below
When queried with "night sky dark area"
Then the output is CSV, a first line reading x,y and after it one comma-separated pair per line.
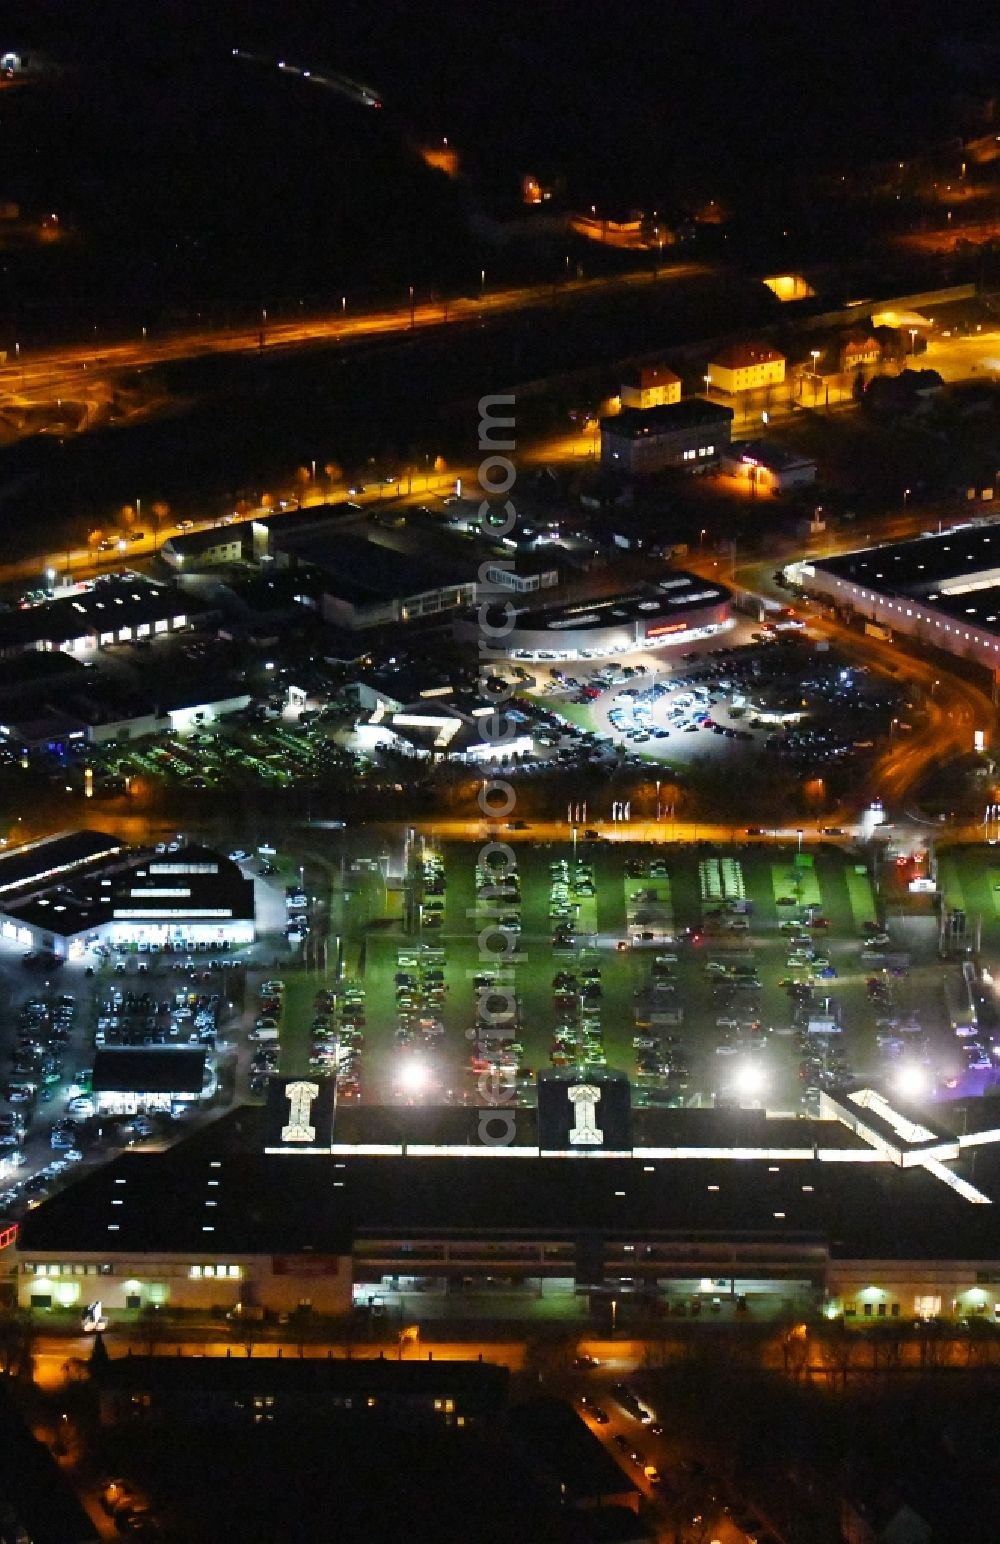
x,y
192,179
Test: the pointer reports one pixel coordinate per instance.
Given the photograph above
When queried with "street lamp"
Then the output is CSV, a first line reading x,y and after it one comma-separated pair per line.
x,y
701,538
614,1314
708,382
814,352
913,336
800,833
906,495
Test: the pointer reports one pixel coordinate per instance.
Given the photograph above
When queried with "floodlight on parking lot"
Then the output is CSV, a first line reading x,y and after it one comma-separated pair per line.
x,y
413,1076
912,1081
750,1080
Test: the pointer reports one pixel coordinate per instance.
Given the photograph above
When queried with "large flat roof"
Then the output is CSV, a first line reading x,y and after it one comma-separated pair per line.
x,y
193,883
295,1203
632,423
669,598
556,1438
109,606
364,572
924,563
41,862
957,572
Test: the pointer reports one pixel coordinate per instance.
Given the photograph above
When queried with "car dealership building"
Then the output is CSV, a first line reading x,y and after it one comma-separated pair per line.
x,y
63,893
678,609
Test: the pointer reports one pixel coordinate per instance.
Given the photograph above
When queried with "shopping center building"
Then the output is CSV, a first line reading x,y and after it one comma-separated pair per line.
x,y
867,1211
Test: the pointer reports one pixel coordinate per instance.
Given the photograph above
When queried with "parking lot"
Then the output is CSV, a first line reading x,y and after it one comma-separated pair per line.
x,y
256,747
751,974
772,694
55,1016
747,973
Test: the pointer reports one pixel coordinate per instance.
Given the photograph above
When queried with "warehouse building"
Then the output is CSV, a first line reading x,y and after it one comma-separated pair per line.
x,y
941,590
115,610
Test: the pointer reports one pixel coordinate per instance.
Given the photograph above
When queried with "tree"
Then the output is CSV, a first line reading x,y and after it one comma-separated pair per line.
x,y
148,1318
838,1345
795,1351
980,1338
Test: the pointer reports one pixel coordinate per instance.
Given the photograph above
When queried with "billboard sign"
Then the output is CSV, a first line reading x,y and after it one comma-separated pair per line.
x,y
584,1110
299,1114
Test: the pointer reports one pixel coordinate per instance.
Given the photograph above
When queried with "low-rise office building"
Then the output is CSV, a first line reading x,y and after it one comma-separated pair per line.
x,y
240,1391
688,435
145,1080
767,467
209,549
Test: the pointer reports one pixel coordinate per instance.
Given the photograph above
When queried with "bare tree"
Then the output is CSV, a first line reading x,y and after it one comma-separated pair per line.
x,y
838,1347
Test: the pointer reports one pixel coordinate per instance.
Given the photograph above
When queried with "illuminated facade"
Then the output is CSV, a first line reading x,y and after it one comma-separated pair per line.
x,y
688,435
766,467
746,367
679,608
651,386
941,590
